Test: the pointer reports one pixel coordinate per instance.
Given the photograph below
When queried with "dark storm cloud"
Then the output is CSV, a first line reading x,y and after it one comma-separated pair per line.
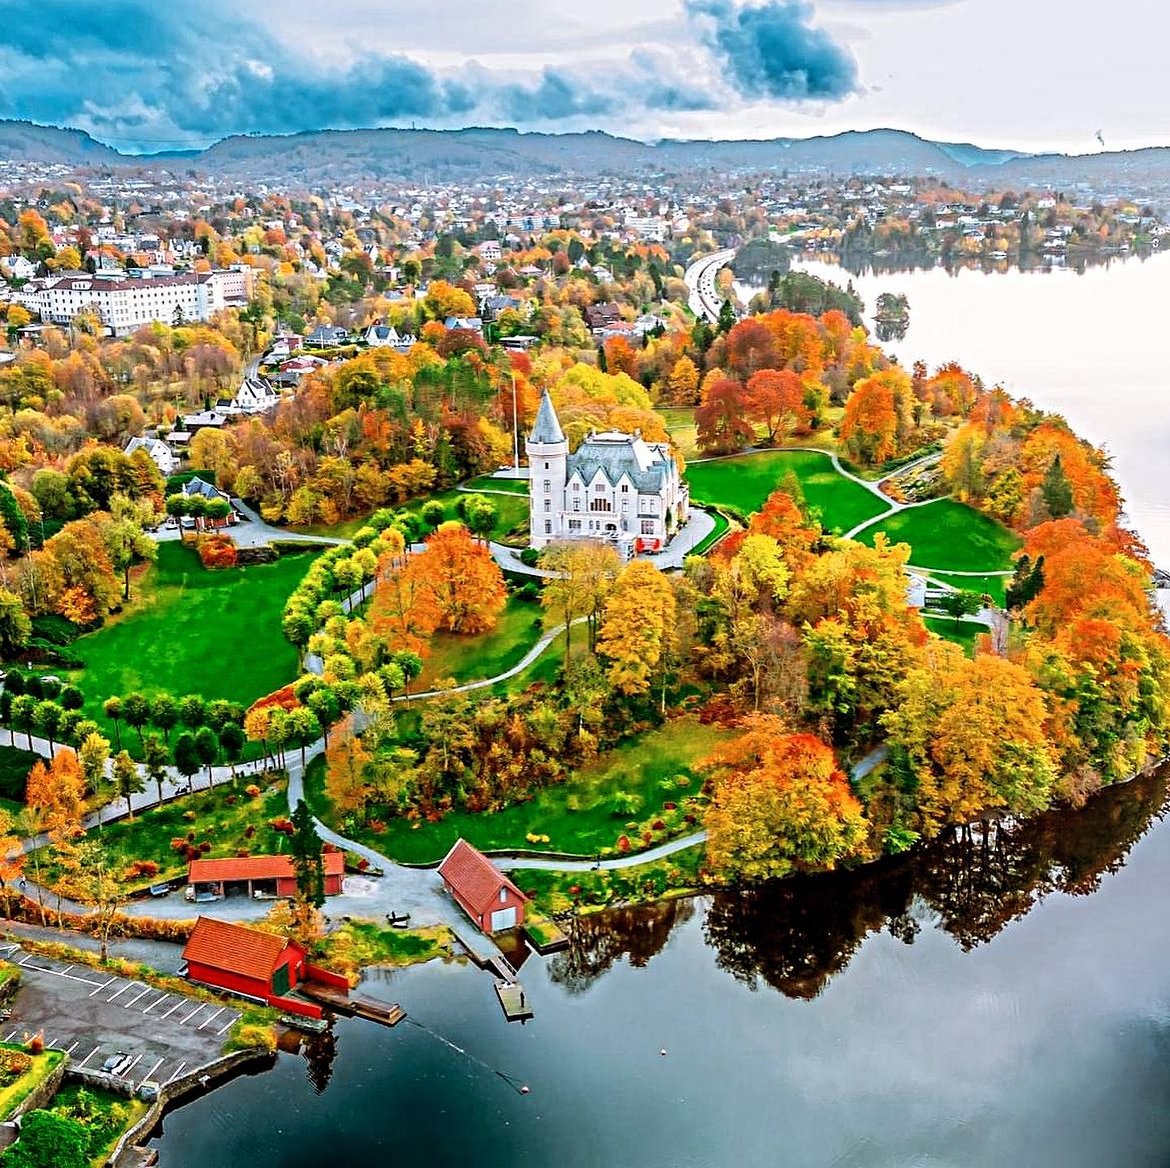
x,y
774,50
149,74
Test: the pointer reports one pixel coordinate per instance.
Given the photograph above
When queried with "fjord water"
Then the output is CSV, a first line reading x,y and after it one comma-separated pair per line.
x,y
991,1001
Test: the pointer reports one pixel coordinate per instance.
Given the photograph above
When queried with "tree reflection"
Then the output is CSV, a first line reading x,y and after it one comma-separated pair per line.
x,y
598,940
796,934
319,1052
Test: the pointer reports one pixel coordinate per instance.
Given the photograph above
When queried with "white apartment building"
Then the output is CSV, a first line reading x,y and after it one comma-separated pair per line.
x,y
124,304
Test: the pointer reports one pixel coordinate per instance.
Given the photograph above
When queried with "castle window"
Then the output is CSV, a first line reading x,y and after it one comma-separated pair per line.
x,y
546,466
576,486
599,488
574,524
548,527
576,504
547,505
599,505
647,526
548,484
625,488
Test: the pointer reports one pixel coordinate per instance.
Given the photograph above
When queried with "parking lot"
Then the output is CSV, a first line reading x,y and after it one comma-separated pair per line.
x,y
93,1017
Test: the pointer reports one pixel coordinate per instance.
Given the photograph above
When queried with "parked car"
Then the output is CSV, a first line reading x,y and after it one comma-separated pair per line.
x,y
113,1061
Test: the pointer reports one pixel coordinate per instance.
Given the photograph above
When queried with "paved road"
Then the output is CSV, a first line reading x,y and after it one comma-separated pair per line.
x,y
705,301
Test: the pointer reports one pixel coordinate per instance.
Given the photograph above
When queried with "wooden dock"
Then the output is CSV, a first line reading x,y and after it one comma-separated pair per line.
x,y
513,1001
361,1006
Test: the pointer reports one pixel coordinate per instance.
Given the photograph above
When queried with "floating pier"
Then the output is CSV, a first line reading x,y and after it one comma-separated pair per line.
x,y
372,1009
513,1001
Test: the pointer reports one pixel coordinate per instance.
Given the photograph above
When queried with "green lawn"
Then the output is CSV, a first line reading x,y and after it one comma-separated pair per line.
x,y
489,483
963,633
578,816
744,482
994,586
949,536
15,1087
511,513
193,631
717,533
474,658
680,425
220,817
104,1115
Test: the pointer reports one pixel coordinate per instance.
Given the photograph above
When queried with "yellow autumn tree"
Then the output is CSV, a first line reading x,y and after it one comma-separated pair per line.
x,y
638,627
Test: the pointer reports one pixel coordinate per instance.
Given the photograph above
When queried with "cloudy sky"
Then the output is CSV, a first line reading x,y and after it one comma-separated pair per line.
x,y
155,74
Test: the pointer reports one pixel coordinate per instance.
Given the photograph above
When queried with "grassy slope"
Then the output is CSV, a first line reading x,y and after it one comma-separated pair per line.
x,y
636,767
994,586
473,658
745,482
962,633
193,631
949,536
222,824
488,483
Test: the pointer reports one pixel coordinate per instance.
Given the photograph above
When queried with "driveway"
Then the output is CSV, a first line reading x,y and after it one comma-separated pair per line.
x,y
92,1016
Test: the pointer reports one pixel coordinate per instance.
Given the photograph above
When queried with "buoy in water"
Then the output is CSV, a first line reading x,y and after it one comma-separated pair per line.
x,y
524,1089
663,1052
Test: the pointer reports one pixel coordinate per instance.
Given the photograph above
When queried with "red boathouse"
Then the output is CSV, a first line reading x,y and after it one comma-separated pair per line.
x,y
257,876
481,890
245,961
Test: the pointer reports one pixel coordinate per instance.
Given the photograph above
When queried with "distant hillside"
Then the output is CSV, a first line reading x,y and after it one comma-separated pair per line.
x,y
26,142
328,157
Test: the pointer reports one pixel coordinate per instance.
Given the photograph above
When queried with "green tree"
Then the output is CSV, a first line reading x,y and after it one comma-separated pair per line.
x,y
207,747
305,852
93,753
125,537
231,741
164,713
958,604
1057,490
48,721
49,1140
15,626
128,779
112,708
187,760
192,711
136,712
24,715
155,758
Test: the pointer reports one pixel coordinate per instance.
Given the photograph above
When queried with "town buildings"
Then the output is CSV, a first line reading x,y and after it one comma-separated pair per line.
x,y
481,890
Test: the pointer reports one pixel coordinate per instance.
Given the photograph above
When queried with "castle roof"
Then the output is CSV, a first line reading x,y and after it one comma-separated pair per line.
x,y
616,455
547,428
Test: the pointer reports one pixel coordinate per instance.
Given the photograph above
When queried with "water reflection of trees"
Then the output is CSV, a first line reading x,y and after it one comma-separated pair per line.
x,y
797,934
319,1052
599,940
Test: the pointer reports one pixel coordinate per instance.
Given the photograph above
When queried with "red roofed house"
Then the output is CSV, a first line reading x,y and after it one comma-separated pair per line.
x,y
257,876
244,961
481,890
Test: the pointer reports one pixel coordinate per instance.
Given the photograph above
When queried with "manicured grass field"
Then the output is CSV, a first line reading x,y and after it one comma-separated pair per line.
x,y
578,816
994,586
743,483
949,536
511,513
680,425
16,1088
193,631
489,483
474,658
963,633
220,817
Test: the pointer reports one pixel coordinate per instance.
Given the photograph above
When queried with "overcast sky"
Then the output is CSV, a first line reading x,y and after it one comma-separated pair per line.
x,y
1031,74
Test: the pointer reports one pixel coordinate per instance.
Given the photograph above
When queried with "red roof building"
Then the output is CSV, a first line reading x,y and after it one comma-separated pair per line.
x,y
261,876
481,890
245,961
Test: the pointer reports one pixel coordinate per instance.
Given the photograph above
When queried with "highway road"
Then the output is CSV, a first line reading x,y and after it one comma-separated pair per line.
x,y
705,300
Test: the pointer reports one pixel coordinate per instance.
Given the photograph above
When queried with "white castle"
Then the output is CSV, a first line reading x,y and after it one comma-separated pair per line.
x,y
614,487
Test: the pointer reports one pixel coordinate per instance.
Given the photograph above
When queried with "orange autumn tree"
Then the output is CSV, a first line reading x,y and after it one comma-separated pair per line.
x,y
774,399
877,417
781,804
459,578
403,612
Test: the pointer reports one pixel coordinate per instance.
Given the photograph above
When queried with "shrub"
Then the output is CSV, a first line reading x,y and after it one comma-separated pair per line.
x,y
530,557
659,825
623,843
217,551
626,803
36,1044
252,791
142,868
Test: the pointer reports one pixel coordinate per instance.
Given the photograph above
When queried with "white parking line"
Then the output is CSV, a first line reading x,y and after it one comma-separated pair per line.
x,y
178,1072
192,1014
220,1033
89,1056
155,1003
73,1047
136,998
212,1018
150,1074
12,1036
119,993
103,986
174,1008
133,1063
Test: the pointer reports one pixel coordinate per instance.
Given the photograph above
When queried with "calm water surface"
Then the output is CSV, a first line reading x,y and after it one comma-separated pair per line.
x,y
1000,1001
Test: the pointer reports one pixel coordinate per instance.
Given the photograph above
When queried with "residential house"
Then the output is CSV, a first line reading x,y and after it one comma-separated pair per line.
x,y
385,336
481,890
327,336
597,316
161,454
473,324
